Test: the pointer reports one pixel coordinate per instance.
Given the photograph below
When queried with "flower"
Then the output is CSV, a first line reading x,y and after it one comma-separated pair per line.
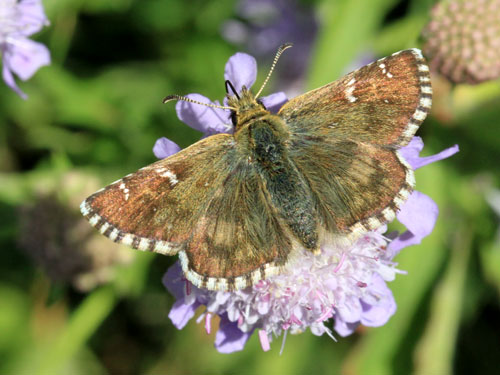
x,y
51,228
20,55
346,282
462,40
261,25
241,70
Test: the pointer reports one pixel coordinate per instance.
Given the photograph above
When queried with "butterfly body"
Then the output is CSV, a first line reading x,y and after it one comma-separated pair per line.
x,y
238,207
263,139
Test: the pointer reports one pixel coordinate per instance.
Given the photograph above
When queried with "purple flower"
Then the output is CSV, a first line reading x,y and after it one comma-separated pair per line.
x,y
20,55
241,70
346,282
264,24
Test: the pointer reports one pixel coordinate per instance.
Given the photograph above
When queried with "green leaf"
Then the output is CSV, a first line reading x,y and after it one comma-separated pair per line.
x,y
342,36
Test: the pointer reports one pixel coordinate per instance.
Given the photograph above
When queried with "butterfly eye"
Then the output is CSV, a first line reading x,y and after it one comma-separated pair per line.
x,y
261,104
233,118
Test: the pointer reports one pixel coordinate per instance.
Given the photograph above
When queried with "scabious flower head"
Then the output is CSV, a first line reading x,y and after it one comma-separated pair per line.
x,y
462,40
20,55
346,282
51,228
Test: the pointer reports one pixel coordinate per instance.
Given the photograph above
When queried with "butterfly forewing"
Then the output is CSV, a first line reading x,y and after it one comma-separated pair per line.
x,y
345,136
382,103
204,202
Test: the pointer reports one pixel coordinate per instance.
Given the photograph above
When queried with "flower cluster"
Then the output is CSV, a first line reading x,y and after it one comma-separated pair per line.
x,y
345,282
20,55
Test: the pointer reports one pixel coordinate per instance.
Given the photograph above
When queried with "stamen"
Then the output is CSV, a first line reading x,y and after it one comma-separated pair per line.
x,y
283,342
278,54
341,262
264,340
208,321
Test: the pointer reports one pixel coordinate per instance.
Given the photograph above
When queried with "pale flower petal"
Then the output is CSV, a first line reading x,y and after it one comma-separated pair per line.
x,y
229,337
241,70
274,101
202,118
164,148
411,153
20,55
26,57
419,215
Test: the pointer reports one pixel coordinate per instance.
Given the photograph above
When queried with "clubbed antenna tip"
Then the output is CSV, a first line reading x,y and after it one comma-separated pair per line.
x,y
278,54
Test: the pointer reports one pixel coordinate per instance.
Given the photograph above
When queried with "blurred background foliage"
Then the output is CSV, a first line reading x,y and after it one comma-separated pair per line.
x,y
71,302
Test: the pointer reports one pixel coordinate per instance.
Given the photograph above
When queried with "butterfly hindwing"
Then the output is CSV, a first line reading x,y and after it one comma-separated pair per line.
x,y
205,203
367,104
350,182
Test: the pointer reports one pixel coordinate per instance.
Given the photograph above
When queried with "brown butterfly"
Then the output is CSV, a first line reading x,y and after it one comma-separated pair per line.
x,y
237,207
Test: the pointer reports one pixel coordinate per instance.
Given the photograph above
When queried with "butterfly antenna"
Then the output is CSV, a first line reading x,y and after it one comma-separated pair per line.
x,y
186,99
278,54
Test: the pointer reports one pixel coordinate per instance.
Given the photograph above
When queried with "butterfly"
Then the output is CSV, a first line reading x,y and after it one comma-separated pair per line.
x,y
237,208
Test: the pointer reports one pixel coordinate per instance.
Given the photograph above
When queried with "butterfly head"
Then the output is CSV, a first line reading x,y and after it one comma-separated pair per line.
x,y
244,107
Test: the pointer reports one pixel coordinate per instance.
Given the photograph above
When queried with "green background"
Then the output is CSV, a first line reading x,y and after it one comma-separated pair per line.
x,y
96,112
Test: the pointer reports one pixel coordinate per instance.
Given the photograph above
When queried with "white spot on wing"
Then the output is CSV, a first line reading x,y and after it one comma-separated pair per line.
x,y
426,102
94,220
84,208
423,68
104,228
128,239
123,187
348,92
114,234
143,244
171,176
426,89
419,115
417,53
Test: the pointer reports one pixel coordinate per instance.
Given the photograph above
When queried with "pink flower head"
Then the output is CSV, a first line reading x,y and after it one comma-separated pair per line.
x,y
20,55
345,282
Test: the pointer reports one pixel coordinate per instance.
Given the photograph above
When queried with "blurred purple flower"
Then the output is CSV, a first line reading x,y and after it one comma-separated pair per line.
x,y
263,25
345,282
20,55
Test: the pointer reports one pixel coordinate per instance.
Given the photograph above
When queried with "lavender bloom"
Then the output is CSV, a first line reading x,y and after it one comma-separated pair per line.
x,y
265,24
241,70
346,282
20,55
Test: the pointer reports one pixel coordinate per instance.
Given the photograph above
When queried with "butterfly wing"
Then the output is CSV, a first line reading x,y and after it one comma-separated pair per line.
x,y
206,203
382,103
345,137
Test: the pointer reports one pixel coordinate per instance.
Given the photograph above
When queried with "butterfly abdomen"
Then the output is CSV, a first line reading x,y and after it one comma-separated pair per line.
x,y
287,190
